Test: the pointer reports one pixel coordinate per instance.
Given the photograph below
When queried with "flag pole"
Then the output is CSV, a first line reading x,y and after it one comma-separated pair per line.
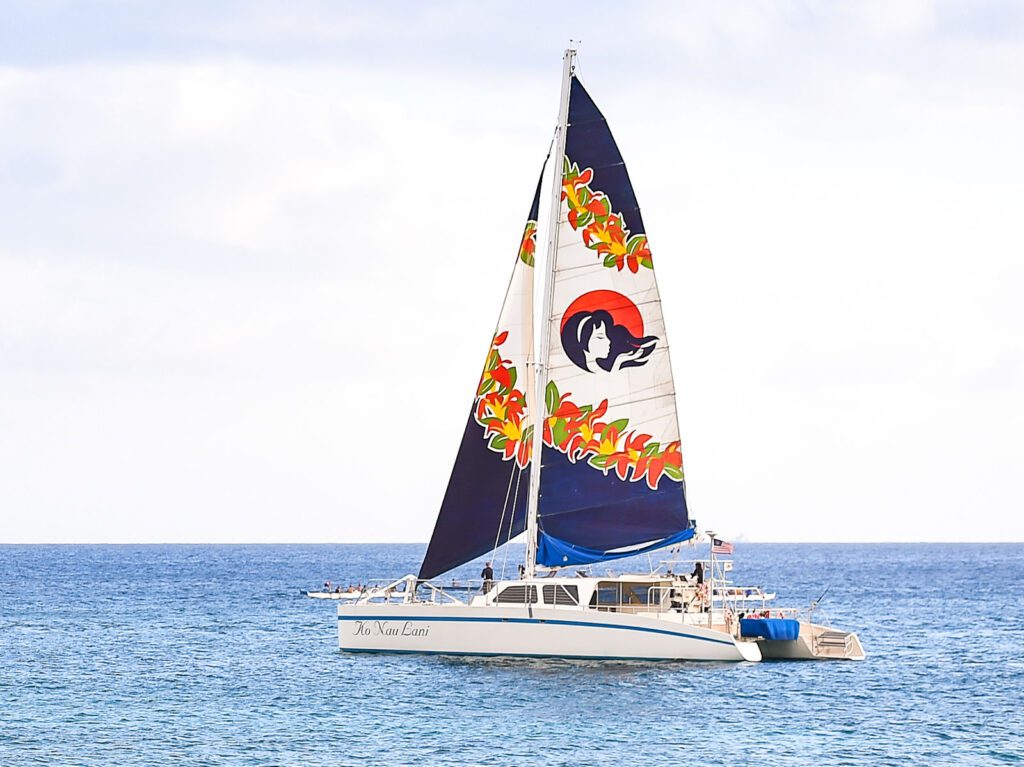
x,y
711,583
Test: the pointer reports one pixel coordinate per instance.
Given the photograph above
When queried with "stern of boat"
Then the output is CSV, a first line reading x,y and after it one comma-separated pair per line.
x,y
751,651
814,642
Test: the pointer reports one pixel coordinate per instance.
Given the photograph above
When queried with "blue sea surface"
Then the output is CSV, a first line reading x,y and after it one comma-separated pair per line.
x,y
208,655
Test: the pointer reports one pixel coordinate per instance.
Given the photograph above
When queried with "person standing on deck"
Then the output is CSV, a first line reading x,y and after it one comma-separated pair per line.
x,y
488,575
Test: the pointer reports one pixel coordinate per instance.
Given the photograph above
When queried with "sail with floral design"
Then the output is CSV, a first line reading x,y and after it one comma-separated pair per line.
x,y
577,446
611,476
485,503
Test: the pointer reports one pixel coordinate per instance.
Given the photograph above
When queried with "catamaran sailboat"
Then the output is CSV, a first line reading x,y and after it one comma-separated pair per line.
x,y
578,447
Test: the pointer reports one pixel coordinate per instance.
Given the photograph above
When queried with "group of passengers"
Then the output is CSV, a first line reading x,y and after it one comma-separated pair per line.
x,y
337,589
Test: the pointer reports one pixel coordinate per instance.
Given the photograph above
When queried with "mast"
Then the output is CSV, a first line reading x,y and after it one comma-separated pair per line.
x,y
540,365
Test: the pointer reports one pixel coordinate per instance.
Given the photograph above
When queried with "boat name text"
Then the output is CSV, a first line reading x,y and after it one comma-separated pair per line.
x,y
389,629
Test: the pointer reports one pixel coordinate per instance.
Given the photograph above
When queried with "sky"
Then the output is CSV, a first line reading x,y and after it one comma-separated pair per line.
x,y
251,255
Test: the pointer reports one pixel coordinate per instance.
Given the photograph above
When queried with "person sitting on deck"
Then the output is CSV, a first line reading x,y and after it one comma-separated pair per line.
x,y
700,595
488,575
675,601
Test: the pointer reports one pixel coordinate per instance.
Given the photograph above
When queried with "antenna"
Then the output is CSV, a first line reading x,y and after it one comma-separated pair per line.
x,y
574,45
815,603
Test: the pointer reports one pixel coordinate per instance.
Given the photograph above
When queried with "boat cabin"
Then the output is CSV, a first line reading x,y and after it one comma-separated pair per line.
x,y
626,594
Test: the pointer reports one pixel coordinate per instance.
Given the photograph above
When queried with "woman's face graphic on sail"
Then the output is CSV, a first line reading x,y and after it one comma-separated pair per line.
x,y
598,347
596,343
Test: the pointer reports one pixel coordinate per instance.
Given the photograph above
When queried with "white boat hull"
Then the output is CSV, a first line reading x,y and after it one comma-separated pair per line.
x,y
534,632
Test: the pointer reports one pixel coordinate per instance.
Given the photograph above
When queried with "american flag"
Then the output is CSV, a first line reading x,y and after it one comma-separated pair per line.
x,y
720,547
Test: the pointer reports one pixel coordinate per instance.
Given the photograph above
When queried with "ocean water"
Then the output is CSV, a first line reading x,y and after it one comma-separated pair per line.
x,y
208,655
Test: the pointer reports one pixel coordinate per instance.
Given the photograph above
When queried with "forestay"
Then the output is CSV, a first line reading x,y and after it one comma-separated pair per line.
x,y
485,503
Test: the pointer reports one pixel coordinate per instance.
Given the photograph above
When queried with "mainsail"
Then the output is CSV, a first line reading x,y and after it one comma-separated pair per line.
x,y
485,503
611,476
610,481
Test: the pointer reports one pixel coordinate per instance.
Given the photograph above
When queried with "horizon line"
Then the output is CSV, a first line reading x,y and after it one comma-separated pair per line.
x,y
424,543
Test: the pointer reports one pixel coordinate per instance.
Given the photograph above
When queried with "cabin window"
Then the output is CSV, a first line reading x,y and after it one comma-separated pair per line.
x,y
517,595
557,594
606,595
635,593
611,595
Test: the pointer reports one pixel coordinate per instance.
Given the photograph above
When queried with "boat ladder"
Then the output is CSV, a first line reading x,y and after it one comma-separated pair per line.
x,y
833,640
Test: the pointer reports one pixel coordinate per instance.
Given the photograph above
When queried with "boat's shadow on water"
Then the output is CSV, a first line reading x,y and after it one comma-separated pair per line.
x,y
549,665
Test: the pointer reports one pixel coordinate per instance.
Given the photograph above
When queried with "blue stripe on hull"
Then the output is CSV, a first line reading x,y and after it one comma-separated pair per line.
x,y
554,622
511,655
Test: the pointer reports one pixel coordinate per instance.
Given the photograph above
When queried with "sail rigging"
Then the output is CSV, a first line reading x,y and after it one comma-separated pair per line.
x,y
609,482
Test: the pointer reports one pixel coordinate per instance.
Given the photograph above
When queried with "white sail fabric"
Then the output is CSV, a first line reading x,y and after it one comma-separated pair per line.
x,y
642,393
609,349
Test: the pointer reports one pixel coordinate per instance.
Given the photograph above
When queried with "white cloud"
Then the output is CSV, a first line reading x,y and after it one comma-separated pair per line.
x,y
248,265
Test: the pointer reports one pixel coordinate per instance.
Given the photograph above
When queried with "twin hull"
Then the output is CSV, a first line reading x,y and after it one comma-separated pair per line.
x,y
530,632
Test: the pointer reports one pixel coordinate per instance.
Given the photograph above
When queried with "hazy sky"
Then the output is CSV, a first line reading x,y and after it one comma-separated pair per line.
x,y
251,255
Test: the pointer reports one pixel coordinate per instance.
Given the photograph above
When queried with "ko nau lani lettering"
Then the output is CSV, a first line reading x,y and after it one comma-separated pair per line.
x,y
390,628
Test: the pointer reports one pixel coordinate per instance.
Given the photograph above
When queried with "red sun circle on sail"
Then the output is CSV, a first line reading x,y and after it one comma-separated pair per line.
x,y
622,310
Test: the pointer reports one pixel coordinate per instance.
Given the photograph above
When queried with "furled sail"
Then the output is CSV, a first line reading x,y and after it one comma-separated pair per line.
x,y
485,503
611,481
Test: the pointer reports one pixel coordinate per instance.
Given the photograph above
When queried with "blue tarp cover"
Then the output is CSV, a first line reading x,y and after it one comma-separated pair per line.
x,y
556,553
770,628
